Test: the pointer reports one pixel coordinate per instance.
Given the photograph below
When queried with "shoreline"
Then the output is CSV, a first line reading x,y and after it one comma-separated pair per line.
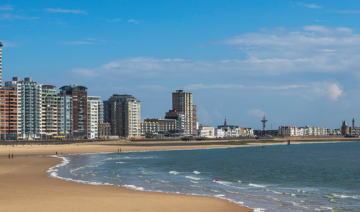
x,y
32,152
24,176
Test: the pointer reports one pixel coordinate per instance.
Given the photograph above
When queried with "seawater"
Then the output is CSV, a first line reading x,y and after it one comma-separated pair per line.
x,y
303,177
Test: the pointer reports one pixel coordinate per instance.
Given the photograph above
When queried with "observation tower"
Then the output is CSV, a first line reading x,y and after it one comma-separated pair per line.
x,y
264,123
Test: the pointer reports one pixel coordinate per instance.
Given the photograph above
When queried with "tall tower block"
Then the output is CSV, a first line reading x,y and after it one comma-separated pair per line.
x,y
264,123
182,102
353,122
1,64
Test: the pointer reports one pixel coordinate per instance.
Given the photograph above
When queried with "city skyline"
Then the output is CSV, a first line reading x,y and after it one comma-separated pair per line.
x,y
299,71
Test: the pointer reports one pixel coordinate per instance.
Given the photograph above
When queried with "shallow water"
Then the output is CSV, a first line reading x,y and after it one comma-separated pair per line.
x,y
304,177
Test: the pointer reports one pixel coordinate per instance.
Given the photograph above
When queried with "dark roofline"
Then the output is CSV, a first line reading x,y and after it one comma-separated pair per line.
x,y
72,87
53,86
1,44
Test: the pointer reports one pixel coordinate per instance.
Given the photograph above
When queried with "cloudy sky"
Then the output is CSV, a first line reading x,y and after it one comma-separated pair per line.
x,y
296,62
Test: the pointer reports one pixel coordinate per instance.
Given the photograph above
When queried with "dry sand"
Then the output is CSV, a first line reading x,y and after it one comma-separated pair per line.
x,y
25,187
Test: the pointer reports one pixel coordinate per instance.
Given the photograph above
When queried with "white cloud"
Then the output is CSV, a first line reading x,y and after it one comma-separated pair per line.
x,y
315,28
10,17
6,7
276,52
256,113
133,21
58,10
330,90
312,6
114,20
77,42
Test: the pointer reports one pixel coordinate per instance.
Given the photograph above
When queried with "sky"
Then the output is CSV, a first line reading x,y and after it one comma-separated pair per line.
x,y
295,61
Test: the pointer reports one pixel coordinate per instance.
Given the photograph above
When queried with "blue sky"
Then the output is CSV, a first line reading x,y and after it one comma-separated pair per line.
x,y
295,61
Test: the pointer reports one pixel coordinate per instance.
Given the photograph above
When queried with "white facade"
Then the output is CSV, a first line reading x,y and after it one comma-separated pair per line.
x,y
300,131
249,132
219,133
315,131
287,131
29,107
205,131
94,113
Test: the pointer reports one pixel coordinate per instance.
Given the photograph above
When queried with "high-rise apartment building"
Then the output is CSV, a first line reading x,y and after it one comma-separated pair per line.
x,y
49,101
8,114
64,115
1,64
182,102
123,112
29,107
95,110
74,112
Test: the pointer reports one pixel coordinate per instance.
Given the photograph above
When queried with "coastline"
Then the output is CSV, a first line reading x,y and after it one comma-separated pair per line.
x,y
25,184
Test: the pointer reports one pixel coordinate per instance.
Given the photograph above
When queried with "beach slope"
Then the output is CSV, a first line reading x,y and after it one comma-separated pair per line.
x,y
25,187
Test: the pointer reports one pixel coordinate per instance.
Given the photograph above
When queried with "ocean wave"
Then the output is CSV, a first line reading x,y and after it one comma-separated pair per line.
x,y
257,185
193,178
196,172
344,196
259,209
120,162
174,172
133,187
219,195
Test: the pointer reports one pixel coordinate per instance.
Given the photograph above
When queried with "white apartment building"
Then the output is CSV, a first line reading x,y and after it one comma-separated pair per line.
x,y
287,131
94,110
29,107
219,133
206,131
315,131
300,131
249,132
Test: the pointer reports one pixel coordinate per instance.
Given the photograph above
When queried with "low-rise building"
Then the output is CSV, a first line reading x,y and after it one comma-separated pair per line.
x,y
287,131
148,126
206,131
249,132
165,125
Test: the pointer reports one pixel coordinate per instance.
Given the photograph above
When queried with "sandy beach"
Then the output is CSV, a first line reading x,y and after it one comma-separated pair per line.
x,y
25,186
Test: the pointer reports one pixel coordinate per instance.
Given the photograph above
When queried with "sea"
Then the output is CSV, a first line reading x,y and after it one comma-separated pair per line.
x,y
296,177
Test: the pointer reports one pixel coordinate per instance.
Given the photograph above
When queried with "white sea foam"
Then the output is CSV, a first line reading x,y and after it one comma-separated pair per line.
x,y
259,209
174,172
120,162
194,178
219,195
257,185
194,181
196,172
344,196
276,192
133,187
